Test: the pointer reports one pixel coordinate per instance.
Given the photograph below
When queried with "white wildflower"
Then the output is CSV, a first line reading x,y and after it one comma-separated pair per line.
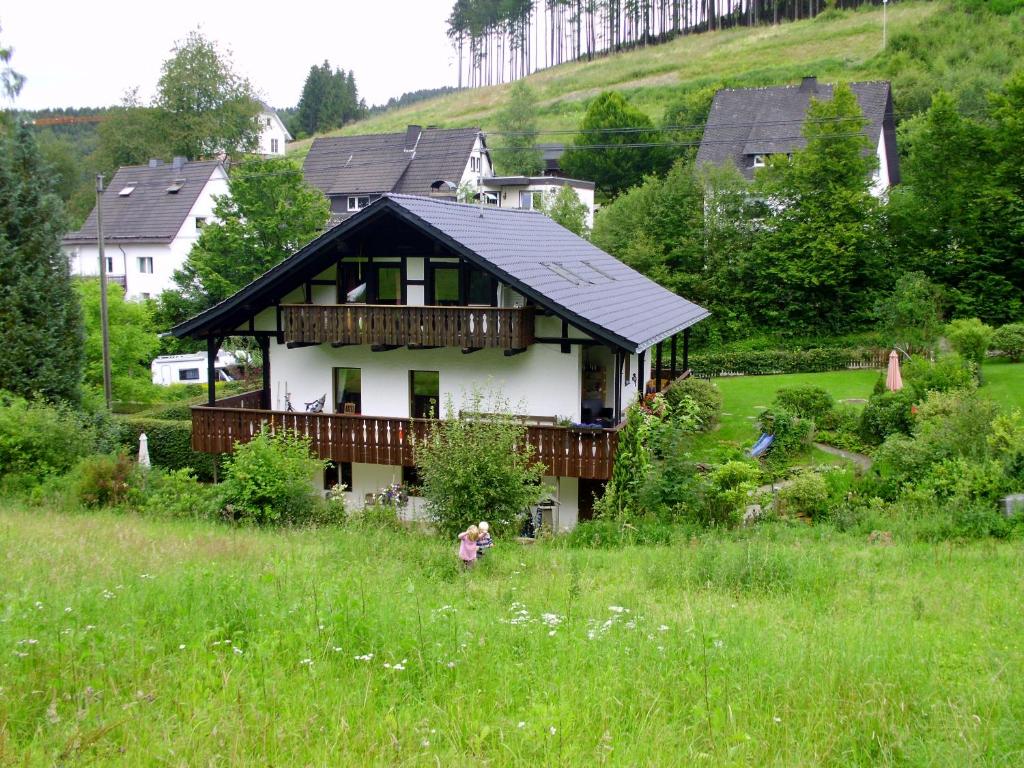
x,y
617,609
237,650
551,619
425,743
552,730
68,609
719,643
521,724
39,606
307,662
181,647
551,633
364,657
777,719
663,628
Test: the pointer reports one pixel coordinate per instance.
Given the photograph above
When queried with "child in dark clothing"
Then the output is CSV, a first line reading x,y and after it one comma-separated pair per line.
x,y
484,542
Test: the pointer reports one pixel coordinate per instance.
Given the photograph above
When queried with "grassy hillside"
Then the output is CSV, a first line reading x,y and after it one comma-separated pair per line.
x,y
931,46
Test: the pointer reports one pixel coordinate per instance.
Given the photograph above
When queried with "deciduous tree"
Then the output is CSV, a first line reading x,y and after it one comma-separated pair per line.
x,y
566,208
516,151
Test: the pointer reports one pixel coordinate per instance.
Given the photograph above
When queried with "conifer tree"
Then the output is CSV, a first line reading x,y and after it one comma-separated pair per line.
x,y
40,318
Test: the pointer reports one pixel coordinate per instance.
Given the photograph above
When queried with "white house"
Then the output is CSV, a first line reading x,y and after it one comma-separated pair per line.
x,y
274,136
152,216
451,296
746,126
525,192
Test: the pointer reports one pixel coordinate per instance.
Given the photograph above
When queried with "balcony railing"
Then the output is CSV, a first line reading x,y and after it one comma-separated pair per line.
x,y
389,325
564,451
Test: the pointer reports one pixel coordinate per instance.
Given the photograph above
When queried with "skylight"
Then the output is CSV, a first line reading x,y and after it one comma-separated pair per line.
x,y
594,268
176,186
563,272
125,191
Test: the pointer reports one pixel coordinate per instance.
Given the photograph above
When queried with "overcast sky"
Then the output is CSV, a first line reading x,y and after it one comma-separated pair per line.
x,y
83,54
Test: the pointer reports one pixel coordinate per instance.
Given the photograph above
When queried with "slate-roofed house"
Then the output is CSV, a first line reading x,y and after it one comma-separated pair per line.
x,y
413,300
353,171
152,215
745,126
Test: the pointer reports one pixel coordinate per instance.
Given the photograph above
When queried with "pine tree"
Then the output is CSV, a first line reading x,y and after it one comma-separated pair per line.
x,y
40,318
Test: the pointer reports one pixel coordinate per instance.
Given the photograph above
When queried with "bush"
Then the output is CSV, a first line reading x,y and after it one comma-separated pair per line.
x,y
792,434
805,401
170,444
970,338
270,479
1009,341
104,480
703,393
478,468
946,373
38,440
177,493
888,413
806,495
728,491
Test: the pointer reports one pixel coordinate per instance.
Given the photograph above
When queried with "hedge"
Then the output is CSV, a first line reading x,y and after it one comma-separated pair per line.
x,y
170,444
760,362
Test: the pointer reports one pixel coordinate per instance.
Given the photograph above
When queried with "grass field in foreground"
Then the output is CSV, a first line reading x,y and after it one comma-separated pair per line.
x,y
138,642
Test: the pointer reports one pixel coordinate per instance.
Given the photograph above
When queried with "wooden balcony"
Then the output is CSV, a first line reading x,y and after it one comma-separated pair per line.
x,y
564,451
389,325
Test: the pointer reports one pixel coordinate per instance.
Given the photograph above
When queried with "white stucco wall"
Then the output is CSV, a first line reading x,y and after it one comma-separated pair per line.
x,y
470,176
167,257
880,180
509,197
539,382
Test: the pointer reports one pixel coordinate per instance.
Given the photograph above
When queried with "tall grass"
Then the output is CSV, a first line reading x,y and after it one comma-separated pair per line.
x,y
137,642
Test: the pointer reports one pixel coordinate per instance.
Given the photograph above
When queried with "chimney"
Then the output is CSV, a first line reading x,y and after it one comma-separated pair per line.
x,y
412,137
809,85
179,162
155,162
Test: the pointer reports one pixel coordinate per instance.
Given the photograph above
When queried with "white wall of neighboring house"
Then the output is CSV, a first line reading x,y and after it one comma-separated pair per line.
x,y
880,178
477,166
125,258
510,196
273,135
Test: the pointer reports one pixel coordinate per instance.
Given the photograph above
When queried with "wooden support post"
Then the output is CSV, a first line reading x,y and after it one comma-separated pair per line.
x,y
686,350
672,372
618,387
657,367
212,344
566,347
641,378
264,342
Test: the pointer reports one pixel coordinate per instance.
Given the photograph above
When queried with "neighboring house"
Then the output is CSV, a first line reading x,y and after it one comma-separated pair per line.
x,y
274,135
525,191
191,368
353,171
746,126
152,215
412,301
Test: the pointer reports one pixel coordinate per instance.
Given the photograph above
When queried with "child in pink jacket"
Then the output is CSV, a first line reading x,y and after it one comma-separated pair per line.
x,y
467,545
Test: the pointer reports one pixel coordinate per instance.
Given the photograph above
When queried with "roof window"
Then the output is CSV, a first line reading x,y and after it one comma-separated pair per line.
x,y
176,186
563,272
126,190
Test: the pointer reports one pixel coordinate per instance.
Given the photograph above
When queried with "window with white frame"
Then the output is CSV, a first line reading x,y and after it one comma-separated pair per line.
x,y
268,122
491,198
358,202
474,163
110,263
145,264
188,374
526,200
273,146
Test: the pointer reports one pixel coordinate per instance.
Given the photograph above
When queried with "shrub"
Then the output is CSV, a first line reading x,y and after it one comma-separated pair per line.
x,y
888,413
805,401
947,372
970,338
269,479
104,480
703,393
807,494
38,440
728,491
177,493
170,444
478,468
756,362
1009,341
792,434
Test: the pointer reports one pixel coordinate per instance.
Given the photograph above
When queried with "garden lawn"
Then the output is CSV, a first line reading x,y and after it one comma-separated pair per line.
x,y
745,397
1004,383
126,641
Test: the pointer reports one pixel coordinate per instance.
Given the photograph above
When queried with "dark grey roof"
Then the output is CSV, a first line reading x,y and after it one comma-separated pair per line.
x,y
384,162
744,122
524,249
150,214
522,181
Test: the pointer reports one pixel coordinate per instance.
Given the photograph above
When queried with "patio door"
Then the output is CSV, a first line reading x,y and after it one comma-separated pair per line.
x,y
424,394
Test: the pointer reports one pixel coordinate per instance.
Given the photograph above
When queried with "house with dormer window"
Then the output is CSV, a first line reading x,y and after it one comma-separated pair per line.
x,y
152,216
746,126
370,329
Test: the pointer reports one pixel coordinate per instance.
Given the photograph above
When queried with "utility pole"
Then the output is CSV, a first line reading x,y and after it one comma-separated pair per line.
x,y
885,6
104,320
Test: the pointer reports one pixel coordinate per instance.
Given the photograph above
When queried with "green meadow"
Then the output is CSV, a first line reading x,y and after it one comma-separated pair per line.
x,y
131,641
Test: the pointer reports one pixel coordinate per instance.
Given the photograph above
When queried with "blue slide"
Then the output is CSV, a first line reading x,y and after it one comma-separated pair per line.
x,y
764,442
